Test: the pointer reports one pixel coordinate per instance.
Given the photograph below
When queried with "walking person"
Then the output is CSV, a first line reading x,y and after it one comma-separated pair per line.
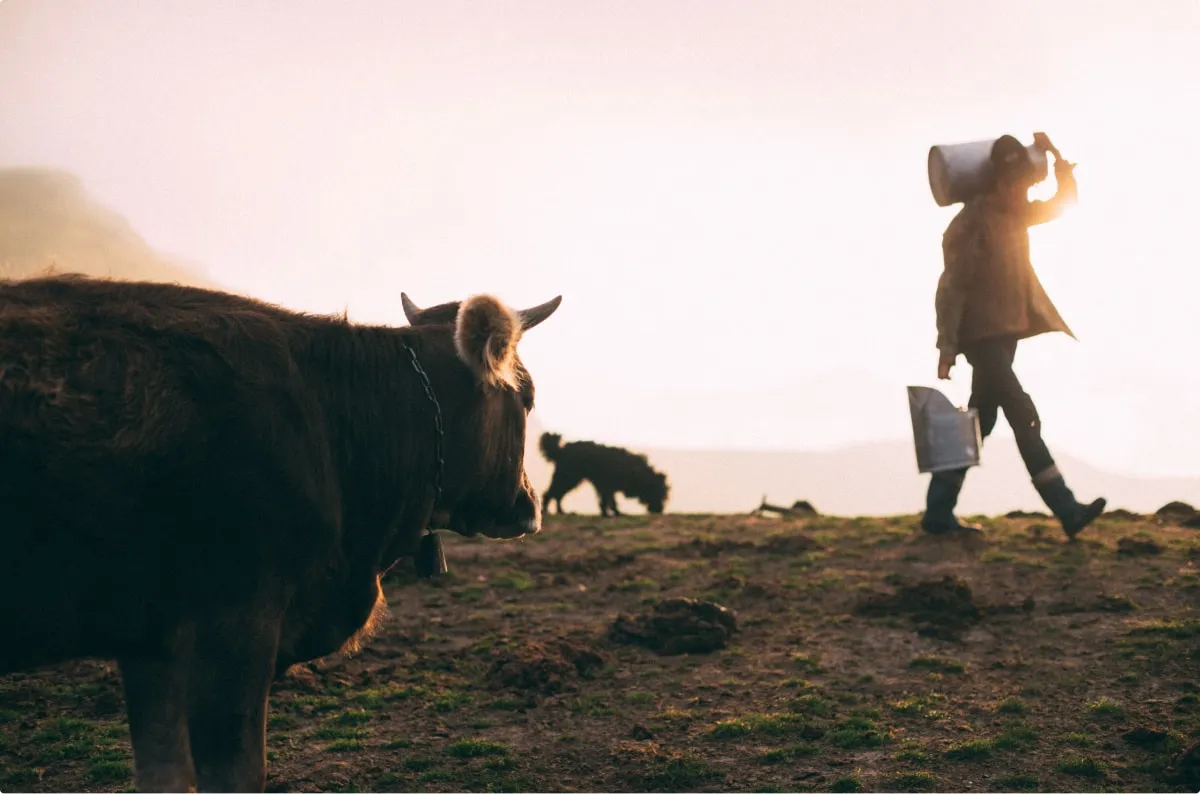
x,y
989,298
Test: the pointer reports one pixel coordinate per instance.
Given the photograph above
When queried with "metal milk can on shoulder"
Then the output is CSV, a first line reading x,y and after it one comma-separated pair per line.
x,y
960,171
946,437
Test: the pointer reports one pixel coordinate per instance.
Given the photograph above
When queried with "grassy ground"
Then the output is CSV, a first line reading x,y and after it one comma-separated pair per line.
x,y
1071,667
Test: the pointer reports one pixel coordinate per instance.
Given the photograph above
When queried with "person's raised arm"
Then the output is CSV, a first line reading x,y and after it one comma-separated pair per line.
x,y
1066,192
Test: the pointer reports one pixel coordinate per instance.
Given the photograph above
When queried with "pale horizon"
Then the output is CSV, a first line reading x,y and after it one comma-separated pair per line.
x,y
731,198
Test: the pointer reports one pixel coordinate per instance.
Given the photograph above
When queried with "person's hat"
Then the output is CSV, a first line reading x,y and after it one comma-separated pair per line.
x,y
1009,156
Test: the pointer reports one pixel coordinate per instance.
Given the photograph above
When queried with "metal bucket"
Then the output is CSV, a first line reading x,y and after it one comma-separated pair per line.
x,y
960,171
945,437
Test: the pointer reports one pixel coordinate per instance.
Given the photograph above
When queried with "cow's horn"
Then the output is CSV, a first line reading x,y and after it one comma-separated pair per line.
x,y
531,317
411,310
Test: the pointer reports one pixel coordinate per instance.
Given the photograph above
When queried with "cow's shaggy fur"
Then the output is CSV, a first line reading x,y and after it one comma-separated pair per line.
x,y
608,469
207,489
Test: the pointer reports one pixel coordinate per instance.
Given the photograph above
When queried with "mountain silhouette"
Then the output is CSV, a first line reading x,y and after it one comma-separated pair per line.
x,y
870,479
49,223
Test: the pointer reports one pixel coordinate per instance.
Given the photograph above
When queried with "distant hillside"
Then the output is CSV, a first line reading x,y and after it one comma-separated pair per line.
x,y
48,221
868,479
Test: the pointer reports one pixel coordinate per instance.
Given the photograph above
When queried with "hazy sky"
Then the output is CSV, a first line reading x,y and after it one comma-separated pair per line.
x,y
731,196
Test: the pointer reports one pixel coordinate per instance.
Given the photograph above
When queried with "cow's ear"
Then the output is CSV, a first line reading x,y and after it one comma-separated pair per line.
x,y
486,335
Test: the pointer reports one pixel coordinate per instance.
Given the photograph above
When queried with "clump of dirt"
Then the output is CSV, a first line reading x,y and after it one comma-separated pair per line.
x,y
314,677
789,544
762,590
1138,547
940,608
1121,514
678,625
730,582
553,580
1175,511
1185,767
804,507
600,562
575,563
715,548
641,733
1025,514
543,667
1101,603
1142,736
1191,523
1027,605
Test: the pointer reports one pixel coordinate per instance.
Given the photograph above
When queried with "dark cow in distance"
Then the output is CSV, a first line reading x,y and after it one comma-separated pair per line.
x,y
207,489
609,469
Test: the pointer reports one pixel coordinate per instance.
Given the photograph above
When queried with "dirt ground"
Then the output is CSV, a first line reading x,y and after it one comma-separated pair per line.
x,y
852,654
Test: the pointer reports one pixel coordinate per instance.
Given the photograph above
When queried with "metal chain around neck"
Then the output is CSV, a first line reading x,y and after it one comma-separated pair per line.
x,y
437,423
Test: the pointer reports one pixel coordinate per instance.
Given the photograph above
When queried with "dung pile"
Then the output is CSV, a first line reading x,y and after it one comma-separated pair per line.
x,y
1180,513
1138,547
1025,514
676,626
940,608
790,544
543,667
1184,768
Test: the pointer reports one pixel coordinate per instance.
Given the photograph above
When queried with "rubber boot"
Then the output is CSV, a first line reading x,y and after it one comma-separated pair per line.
x,y
944,487
1073,516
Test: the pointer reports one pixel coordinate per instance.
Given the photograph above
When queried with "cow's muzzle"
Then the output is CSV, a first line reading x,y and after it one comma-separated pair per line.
x,y
524,517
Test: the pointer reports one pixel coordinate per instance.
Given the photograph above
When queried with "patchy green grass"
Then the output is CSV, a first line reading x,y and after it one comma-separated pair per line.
x,y
806,662
854,733
504,676
1105,709
60,729
1016,782
1081,766
345,746
104,773
938,665
910,781
762,724
476,748
683,772
1011,705
973,750
790,753
332,731
450,701
812,705
1015,737
925,706
514,580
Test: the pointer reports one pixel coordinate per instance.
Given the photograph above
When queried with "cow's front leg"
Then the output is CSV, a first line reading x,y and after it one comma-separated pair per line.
x,y
227,714
156,700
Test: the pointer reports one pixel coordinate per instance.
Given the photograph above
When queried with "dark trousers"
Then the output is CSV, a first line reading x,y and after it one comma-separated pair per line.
x,y
994,386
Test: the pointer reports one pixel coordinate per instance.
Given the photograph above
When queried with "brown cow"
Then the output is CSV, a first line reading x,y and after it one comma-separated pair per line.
x,y
207,489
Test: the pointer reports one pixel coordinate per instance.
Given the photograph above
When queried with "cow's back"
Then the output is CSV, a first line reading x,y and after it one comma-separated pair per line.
x,y
151,437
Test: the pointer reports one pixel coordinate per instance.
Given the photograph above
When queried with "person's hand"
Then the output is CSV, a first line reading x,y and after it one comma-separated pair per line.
x,y
1042,141
944,364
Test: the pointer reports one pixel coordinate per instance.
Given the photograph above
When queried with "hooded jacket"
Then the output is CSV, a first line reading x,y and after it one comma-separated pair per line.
x,y
988,287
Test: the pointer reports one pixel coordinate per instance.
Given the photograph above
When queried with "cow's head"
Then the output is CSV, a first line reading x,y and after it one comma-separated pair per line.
x,y
488,399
